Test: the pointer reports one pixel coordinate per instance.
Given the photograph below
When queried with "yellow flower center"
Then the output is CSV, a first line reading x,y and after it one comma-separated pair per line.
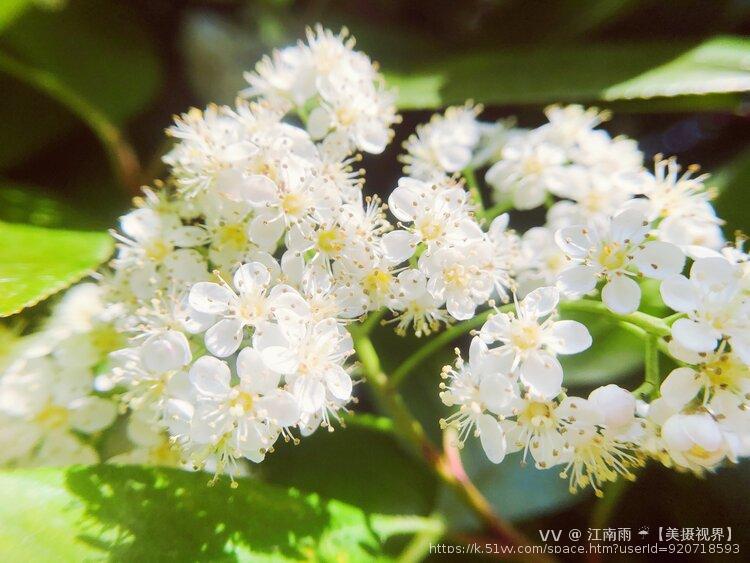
x,y
53,417
726,372
377,282
158,250
331,241
242,403
525,335
430,228
292,204
456,276
699,452
612,256
537,414
532,165
233,235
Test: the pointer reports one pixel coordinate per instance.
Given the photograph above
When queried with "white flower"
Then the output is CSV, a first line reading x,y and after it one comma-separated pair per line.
x,y
715,305
212,147
444,145
596,196
539,261
415,305
245,419
349,96
149,369
597,451
250,303
532,425
694,441
526,170
530,340
614,254
435,214
569,125
310,355
681,204
478,388
461,276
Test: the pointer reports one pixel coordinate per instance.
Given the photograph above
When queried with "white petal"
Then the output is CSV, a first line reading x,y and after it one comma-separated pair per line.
x,y
212,298
166,352
461,307
492,438
224,337
540,302
249,277
497,391
574,241
573,337
318,123
254,374
310,394
714,273
282,407
259,190
141,224
695,336
210,377
543,374
680,387
629,226
265,231
679,293
621,295
578,280
660,260
372,137
91,414
339,383
399,245
615,404
403,202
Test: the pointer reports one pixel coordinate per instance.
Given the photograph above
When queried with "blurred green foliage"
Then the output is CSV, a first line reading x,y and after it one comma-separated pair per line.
x,y
88,87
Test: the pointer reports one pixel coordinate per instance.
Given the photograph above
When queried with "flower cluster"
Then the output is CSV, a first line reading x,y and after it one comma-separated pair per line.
x,y
228,320
610,224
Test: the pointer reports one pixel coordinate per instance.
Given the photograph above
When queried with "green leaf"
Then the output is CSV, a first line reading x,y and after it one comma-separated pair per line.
x,y
732,203
24,204
589,73
11,9
36,262
613,355
361,464
157,514
111,65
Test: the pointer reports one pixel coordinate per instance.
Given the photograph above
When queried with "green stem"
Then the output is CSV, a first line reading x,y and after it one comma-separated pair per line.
x,y
605,506
441,340
419,546
408,428
497,209
121,154
473,185
651,360
652,325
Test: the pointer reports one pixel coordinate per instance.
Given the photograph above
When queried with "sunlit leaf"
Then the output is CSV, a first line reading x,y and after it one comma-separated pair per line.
x,y
36,262
585,74
140,514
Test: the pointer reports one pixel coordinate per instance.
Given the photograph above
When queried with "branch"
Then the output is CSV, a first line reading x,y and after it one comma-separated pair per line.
x,y
122,156
407,427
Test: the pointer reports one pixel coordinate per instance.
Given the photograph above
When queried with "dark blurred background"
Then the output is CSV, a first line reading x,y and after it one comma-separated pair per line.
x,y
88,87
